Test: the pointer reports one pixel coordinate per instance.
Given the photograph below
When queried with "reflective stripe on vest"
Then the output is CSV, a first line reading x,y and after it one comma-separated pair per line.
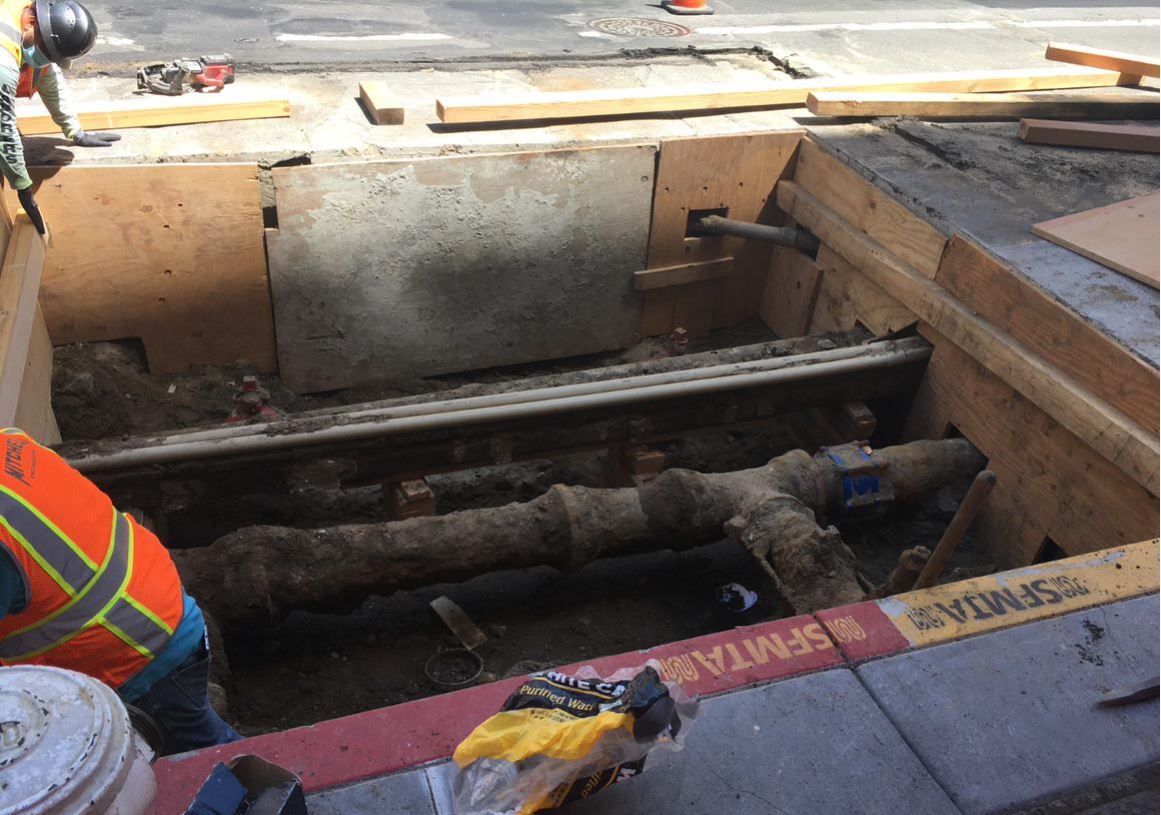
x,y
11,37
98,600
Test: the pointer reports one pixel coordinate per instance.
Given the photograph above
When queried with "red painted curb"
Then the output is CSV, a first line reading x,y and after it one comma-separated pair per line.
x,y
862,631
383,741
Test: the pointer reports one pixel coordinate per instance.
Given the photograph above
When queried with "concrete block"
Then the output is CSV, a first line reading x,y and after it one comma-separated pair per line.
x,y
776,748
1012,716
402,794
390,270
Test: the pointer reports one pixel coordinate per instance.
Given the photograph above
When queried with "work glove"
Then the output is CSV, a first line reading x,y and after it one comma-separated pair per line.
x,y
26,201
95,139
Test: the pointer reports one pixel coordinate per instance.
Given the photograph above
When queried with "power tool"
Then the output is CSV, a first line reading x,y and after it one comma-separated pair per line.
x,y
201,74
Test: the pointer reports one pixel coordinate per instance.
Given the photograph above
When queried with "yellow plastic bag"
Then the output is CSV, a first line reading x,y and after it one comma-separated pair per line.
x,y
560,738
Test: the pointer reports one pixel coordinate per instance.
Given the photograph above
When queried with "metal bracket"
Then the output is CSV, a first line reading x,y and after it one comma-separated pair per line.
x,y
864,481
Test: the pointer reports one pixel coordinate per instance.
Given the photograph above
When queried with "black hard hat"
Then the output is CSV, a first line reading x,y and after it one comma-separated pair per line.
x,y
67,30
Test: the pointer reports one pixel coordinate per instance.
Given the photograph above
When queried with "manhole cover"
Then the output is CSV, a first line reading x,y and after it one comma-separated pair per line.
x,y
638,27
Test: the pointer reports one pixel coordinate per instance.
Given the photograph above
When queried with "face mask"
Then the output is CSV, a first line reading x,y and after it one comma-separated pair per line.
x,y
33,57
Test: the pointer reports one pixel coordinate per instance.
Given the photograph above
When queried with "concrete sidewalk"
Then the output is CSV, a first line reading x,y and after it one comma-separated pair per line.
x,y
986,724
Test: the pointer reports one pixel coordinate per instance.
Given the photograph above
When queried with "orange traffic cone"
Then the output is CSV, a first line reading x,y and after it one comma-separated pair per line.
x,y
686,7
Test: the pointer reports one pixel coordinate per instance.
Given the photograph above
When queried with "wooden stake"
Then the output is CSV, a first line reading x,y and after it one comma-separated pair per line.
x,y
972,502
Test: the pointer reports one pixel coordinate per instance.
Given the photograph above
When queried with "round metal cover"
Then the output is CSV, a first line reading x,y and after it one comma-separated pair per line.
x,y
638,27
65,742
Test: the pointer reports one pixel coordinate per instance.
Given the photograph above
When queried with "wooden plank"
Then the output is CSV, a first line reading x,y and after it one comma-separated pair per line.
x,y
1123,236
1130,138
735,173
847,297
1050,483
1102,58
381,103
791,292
20,278
869,208
1097,423
33,119
992,107
34,409
1009,301
646,279
170,253
507,106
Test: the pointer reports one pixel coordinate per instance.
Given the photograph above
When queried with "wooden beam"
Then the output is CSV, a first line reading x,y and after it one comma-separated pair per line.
x,y
1130,138
34,120
34,409
680,275
1050,484
508,107
1102,58
1009,301
19,286
872,210
1094,421
991,107
380,102
1123,236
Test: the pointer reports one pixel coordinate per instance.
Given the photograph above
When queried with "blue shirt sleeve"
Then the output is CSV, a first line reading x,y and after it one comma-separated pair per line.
x,y
12,599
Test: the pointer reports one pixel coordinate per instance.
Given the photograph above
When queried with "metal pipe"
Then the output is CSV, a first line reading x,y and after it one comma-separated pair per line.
x,y
558,391
790,236
272,441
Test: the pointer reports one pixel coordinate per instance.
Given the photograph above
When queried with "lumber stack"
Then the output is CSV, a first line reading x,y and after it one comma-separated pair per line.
x,y
628,102
992,107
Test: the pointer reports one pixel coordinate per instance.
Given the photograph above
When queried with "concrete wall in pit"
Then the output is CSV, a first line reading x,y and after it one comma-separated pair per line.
x,y
395,269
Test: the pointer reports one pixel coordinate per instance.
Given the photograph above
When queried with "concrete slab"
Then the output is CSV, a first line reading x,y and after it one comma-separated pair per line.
x,y
758,751
386,271
403,794
1012,716
980,179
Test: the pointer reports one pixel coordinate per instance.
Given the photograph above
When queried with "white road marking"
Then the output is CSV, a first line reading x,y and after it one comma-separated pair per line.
x,y
1085,23
726,30
783,29
411,37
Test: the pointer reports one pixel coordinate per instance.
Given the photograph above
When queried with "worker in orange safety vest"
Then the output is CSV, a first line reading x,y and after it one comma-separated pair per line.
x,y
85,587
37,39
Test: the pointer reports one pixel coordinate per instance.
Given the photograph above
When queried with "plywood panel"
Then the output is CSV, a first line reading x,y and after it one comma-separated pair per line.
x,y
172,254
1013,304
736,173
391,270
870,209
1125,236
791,292
1050,484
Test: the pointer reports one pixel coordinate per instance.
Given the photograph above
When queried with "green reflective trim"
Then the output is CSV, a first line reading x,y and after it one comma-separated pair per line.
x,y
125,638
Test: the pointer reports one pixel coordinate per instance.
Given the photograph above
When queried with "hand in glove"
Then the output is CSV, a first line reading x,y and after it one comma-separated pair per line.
x,y
31,208
95,139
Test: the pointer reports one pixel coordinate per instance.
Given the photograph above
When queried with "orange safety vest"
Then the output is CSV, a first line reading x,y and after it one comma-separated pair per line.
x,y
10,28
103,596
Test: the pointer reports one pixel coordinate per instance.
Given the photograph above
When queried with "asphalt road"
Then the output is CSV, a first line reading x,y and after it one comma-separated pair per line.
x,y
833,34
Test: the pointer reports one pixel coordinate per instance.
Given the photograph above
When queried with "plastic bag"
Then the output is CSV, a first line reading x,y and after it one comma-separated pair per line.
x,y
559,738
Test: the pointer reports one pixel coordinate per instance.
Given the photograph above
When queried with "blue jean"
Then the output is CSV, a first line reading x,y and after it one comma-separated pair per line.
x,y
181,706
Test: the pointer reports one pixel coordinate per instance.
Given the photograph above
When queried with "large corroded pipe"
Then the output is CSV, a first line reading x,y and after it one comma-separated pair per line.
x,y
257,575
